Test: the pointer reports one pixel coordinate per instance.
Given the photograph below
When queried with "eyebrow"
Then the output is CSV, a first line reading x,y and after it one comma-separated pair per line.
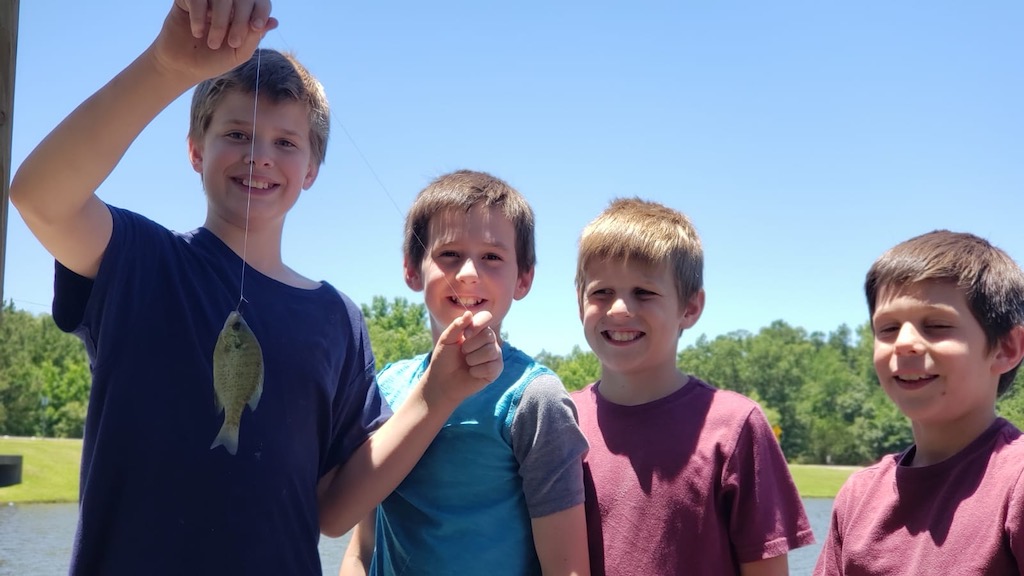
x,y
247,123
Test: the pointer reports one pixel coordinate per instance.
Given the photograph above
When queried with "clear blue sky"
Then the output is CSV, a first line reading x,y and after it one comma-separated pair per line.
x,y
803,138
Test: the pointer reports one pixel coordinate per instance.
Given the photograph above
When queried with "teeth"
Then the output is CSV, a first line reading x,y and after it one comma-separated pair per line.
x,y
623,336
467,301
908,378
257,185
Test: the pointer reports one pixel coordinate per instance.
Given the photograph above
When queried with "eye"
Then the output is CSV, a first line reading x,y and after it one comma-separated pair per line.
x,y
286,144
236,135
493,257
447,254
883,330
644,293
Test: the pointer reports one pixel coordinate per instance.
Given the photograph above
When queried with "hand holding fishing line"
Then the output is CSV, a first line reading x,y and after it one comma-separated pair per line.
x,y
241,22
466,357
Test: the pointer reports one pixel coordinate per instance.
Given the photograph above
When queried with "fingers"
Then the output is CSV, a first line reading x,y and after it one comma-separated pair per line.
x,y
241,22
453,333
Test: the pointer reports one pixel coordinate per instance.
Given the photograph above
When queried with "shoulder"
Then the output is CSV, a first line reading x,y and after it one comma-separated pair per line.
x,y
727,407
868,481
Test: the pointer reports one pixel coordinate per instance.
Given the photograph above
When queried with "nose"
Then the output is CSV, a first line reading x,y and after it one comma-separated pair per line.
x,y
467,272
258,154
908,340
619,308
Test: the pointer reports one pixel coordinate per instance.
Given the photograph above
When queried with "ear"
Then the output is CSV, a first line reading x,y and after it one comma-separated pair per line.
x,y
523,284
413,276
1009,351
692,310
311,174
195,155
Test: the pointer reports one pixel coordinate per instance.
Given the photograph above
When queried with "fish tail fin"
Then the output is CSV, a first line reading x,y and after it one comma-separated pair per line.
x,y
228,438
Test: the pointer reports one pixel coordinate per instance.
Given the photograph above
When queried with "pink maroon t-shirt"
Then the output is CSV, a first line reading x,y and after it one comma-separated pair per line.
x,y
694,483
963,516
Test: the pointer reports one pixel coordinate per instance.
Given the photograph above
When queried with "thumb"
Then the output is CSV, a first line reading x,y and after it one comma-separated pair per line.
x,y
453,333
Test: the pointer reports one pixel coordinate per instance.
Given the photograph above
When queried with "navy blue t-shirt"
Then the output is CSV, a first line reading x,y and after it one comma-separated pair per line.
x,y
155,499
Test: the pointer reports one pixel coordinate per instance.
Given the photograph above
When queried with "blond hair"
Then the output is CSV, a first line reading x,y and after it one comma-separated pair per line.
x,y
639,231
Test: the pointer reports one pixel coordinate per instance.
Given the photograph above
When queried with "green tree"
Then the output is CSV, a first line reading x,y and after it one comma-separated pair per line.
x,y
397,328
577,369
44,377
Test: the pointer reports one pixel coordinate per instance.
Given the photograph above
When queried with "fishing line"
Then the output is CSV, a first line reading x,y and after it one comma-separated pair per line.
x,y
395,204
252,161
380,183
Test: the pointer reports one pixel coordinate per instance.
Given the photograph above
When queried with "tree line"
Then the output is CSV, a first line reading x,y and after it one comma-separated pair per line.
x,y
818,390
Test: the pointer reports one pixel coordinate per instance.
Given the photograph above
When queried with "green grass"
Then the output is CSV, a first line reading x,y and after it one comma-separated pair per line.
x,y
49,471
814,481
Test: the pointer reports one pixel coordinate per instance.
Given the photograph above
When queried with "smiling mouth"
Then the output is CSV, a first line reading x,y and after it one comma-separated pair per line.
x,y
255,184
622,336
914,381
466,302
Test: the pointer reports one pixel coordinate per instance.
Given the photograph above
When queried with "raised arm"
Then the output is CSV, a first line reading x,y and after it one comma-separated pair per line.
x,y
54,189
466,358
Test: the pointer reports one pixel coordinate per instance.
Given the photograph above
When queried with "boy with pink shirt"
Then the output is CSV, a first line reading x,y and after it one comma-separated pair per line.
x,y
947,312
681,478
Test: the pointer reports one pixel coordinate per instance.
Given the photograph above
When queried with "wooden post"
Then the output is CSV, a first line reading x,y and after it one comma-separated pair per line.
x,y
8,57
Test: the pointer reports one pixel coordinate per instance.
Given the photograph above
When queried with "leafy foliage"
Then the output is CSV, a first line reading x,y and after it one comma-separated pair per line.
x,y
398,329
818,390
44,377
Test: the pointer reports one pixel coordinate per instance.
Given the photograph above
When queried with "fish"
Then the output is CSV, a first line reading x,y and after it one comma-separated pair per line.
x,y
237,377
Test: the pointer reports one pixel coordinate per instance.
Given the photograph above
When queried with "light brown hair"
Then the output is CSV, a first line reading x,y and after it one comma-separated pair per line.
x,y
282,78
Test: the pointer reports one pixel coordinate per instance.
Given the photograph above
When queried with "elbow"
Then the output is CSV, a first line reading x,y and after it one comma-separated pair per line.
x,y
331,529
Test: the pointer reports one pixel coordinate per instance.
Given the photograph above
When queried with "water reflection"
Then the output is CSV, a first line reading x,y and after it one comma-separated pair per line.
x,y
36,539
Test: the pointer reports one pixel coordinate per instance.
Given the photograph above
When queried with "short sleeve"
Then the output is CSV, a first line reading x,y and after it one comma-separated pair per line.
x,y
1015,522
767,516
549,447
829,559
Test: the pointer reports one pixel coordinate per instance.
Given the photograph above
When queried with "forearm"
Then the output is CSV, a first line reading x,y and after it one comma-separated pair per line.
x,y
356,561
62,173
561,543
380,464
777,566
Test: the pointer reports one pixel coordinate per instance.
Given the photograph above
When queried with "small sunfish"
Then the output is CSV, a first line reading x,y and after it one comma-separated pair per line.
x,y
237,377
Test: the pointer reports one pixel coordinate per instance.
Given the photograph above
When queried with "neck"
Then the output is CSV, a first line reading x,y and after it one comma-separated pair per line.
x,y
260,247
638,388
939,442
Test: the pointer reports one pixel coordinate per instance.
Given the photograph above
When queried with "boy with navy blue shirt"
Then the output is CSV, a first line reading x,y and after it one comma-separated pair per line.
x,y
148,304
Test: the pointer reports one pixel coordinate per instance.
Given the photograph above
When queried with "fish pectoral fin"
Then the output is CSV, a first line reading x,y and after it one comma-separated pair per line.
x,y
254,400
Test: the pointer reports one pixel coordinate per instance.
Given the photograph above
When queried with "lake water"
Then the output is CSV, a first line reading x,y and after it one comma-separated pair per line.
x,y
35,540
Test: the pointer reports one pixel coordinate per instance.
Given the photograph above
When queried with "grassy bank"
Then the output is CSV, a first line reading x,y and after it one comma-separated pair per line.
x,y
815,481
50,472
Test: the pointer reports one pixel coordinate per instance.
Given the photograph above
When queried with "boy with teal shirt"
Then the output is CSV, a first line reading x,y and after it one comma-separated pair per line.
x,y
947,314
500,490
148,303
